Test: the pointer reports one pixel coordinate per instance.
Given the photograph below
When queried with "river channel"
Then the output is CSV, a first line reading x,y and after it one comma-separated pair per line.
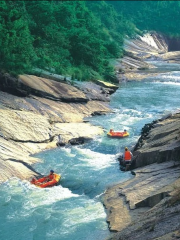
x,y
73,210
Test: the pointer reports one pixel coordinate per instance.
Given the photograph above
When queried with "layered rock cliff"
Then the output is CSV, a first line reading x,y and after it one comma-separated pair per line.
x,y
150,46
35,111
148,205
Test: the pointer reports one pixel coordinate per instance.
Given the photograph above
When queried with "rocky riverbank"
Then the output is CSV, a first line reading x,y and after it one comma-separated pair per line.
x,y
148,206
135,64
35,111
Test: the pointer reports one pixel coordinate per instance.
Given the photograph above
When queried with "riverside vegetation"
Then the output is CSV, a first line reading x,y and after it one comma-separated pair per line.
x,y
76,38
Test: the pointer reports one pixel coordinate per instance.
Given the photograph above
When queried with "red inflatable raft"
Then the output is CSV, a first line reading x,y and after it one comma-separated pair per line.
x,y
114,134
43,182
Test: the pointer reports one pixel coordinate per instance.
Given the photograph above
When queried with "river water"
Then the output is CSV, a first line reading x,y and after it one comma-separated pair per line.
x,y
73,210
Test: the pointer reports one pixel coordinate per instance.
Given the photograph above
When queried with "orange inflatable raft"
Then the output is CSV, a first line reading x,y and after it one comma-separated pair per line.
x,y
43,183
114,134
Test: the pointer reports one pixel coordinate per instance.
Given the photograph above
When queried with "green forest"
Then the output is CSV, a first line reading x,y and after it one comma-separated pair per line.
x,y
77,38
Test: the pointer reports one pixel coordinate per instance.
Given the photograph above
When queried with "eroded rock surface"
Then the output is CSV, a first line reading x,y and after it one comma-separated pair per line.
x,y
51,89
40,110
137,52
148,205
173,57
159,142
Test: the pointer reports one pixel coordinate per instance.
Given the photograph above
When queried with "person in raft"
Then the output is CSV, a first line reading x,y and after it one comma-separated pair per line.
x,y
127,156
47,178
50,176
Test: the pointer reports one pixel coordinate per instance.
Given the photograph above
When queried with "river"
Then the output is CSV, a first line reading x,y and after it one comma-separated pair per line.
x,y
73,210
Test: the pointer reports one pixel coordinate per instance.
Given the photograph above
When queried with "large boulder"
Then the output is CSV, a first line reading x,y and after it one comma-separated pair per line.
x,y
159,142
51,89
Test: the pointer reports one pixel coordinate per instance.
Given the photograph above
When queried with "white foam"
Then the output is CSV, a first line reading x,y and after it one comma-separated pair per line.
x,y
169,83
95,159
87,213
129,116
46,196
68,152
171,76
35,196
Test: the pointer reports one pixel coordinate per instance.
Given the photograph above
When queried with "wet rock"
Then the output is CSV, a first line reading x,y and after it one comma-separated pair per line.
x,y
61,142
77,141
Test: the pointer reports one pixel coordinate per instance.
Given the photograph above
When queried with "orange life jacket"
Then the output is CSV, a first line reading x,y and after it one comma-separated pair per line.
x,y
51,176
127,156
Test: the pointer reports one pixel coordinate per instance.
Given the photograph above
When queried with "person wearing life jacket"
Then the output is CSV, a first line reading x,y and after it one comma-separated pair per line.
x,y
127,156
111,131
51,176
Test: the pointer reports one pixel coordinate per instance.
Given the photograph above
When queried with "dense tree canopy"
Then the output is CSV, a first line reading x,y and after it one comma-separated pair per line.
x,y
16,50
161,16
76,38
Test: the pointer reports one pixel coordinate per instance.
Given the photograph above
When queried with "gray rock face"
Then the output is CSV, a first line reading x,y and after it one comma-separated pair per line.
x,y
148,206
148,44
32,127
137,51
37,113
171,56
51,89
126,201
159,142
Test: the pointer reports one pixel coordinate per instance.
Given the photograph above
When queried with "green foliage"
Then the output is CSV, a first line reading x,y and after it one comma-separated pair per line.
x,y
16,51
161,16
77,38
50,42
61,35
